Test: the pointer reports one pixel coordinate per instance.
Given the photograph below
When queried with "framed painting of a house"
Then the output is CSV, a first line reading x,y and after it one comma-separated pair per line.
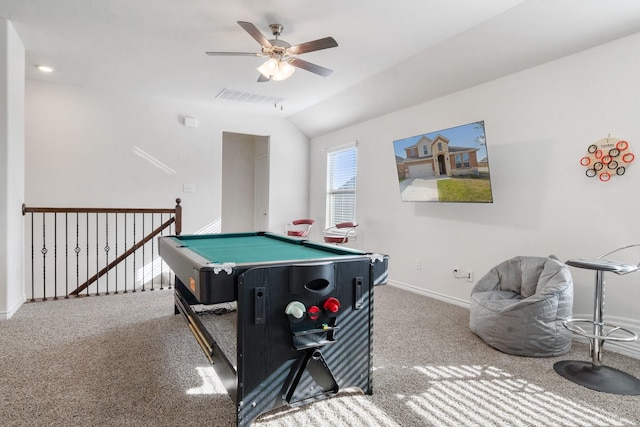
x,y
449,165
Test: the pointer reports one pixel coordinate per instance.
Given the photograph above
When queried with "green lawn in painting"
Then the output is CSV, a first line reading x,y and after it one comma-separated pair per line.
x,y
464,190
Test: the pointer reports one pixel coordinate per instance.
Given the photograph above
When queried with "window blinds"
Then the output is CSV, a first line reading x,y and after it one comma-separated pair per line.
x,y
341,186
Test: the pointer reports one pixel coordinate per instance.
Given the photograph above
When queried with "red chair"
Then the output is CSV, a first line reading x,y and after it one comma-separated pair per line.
x,y
340,233
299,227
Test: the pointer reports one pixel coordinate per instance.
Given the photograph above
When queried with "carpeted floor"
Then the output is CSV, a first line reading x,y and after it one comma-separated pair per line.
x,y
126,360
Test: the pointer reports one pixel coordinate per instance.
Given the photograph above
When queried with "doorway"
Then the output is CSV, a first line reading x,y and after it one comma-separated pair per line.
x,y
442,165
245,182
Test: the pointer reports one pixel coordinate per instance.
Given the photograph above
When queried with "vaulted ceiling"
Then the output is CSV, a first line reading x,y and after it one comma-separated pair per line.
x,y
390,54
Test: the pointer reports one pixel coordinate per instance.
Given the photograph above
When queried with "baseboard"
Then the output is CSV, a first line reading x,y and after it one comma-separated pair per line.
x,y
631,349
430,294
4,315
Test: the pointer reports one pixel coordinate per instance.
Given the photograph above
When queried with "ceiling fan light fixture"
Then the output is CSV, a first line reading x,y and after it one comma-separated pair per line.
x,y
269,68
285,70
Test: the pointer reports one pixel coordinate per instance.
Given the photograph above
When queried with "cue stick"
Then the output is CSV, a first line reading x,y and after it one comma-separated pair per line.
x,y
196,334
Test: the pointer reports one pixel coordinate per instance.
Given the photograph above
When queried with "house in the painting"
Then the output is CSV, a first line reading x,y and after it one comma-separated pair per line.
x,y
435,158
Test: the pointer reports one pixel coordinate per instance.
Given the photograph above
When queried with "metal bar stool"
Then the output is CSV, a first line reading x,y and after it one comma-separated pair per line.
x,y
299,227
340,233
594,374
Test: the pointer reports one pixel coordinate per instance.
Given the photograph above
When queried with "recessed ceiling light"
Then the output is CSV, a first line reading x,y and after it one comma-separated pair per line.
x,y
45,68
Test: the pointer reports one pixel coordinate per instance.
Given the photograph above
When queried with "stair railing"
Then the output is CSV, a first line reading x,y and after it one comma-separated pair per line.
x,y
89,251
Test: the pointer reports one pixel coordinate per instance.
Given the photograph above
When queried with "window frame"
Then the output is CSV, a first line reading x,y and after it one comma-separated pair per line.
x,y
331,193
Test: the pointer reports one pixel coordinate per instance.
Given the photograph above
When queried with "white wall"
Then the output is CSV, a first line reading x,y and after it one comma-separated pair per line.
x,y
90,148
12,169
538,125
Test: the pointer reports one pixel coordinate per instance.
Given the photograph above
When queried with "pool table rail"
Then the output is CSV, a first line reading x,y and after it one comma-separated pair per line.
x,y
213,282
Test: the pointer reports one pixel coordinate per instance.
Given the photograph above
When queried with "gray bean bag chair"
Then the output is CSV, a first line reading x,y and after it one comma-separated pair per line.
x,y
518,307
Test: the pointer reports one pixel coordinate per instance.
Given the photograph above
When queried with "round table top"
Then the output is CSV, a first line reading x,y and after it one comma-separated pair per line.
x,y
603,265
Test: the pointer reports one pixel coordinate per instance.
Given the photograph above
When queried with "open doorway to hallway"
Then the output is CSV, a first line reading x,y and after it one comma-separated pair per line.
x,y
245,182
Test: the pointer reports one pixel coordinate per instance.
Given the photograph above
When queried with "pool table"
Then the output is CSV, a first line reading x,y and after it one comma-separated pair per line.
x,y
304,314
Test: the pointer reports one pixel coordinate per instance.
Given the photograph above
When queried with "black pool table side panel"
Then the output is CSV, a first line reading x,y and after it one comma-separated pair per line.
x,y
267,361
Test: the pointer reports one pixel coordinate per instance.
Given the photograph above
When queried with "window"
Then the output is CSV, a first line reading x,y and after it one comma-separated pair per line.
x,y
465,160
341,185
458,161
425,150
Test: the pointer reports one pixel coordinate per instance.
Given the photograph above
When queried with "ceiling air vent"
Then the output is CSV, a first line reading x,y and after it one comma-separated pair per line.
x,y
233,95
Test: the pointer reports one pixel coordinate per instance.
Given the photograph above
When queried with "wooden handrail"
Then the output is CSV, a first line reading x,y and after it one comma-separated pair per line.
x,y
175,210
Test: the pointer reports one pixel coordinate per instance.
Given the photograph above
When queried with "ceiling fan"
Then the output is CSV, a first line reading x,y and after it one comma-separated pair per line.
x,y
283,58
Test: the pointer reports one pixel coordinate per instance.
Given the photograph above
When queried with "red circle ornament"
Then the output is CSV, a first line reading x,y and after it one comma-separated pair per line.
x,y
622,145
628,157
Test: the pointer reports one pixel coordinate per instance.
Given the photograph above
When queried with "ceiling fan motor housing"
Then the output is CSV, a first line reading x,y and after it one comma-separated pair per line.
x,y
278,47
276,29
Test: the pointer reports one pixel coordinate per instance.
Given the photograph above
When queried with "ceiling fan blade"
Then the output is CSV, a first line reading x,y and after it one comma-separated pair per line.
x,y
255,33
319,44
305,65
233,54
262,78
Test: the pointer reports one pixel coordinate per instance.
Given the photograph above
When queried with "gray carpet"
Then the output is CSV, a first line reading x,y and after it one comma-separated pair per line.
x,y
126,360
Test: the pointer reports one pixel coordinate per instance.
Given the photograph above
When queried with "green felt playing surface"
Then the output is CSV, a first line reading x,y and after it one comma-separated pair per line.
x,y
255,248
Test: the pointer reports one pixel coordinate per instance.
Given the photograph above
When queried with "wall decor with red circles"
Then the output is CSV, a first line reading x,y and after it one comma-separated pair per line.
x,y
607,158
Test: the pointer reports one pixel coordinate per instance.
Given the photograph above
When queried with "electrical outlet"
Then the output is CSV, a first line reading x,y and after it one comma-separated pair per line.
x,y
470,275
418,264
